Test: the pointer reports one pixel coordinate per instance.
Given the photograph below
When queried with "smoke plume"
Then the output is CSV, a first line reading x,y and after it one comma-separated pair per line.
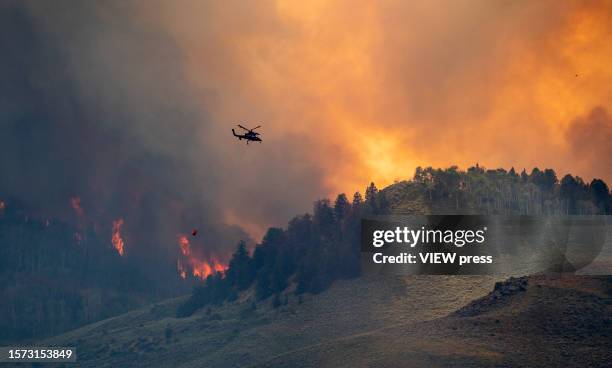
x,y
129,105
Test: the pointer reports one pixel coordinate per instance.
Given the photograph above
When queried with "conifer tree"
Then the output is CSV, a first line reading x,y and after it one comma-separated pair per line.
x,y
341,207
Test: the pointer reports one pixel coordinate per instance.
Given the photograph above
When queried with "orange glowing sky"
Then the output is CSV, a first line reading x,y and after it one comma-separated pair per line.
x,y
364,91
394,84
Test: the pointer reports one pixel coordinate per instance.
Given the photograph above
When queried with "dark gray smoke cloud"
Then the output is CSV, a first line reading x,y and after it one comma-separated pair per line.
x,y
94,104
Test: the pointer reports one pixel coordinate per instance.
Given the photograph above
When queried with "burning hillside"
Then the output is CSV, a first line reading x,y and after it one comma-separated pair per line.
x,y
199,265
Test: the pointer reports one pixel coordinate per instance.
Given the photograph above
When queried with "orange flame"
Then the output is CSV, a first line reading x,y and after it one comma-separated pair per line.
x,y
75,203
199,268
184,244
116,238
203,269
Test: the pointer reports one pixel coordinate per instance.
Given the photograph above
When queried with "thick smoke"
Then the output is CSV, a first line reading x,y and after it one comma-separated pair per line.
x,y
590,138
95,105
373,89
129,105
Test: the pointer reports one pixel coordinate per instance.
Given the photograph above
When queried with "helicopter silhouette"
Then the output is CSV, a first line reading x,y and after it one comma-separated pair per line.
x,y
250,135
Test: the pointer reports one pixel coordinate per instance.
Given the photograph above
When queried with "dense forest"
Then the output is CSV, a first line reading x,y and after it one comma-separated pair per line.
x,y
56,275
316,249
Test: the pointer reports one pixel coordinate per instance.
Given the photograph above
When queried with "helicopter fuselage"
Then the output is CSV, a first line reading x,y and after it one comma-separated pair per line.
x,y
248,136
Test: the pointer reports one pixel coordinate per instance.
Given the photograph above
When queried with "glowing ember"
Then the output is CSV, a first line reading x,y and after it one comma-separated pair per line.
x,y
75,203
181,269
199,268
116,238
184,244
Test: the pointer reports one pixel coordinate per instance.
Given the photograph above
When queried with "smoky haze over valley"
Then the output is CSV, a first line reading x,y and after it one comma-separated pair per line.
x,y
128,105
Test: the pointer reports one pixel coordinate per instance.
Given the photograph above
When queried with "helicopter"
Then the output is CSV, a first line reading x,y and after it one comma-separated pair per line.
x,y
250,135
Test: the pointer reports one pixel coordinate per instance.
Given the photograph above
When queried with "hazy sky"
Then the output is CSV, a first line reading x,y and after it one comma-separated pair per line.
x,y
352,91
139,98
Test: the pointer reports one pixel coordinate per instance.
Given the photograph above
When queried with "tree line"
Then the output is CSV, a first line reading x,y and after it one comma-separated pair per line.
x,y
319,248
56,276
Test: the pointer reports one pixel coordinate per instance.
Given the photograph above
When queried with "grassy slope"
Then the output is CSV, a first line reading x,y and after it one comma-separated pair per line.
x,y
383,321
561,321
229,336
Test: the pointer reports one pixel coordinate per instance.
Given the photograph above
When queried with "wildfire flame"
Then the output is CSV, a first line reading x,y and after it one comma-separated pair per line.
x,y
199,268
116,238
184,244
75,203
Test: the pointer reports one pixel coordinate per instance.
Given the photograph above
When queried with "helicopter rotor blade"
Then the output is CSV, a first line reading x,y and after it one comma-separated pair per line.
x,y
259,126
242,127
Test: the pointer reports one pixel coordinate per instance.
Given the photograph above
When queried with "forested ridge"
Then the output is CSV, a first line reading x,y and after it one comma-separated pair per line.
x,y
56,275
316,249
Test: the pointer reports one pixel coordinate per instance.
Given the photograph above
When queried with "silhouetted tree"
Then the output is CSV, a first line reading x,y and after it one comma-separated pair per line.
x,y
370,198
569,191
370,192
357,201
341,207
418,175
240,273
324,219
599,194
524,176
